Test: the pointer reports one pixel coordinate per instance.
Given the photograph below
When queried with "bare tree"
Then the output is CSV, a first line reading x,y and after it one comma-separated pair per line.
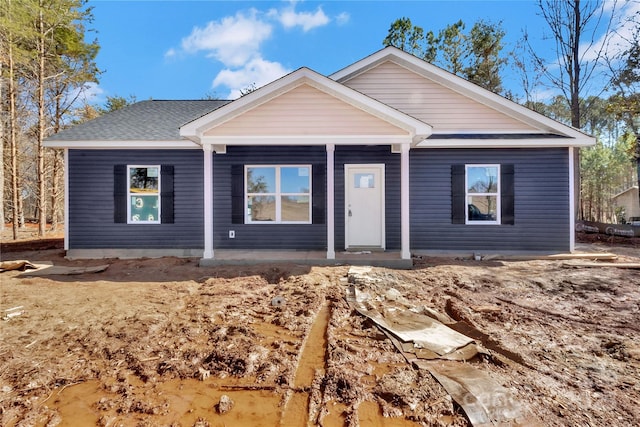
x,y
575,28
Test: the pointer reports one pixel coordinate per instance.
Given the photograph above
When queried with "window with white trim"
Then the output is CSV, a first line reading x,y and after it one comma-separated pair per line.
x,y
278,194
482,194
143,194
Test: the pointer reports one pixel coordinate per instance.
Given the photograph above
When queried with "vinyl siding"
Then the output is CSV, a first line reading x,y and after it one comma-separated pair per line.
x,y
305,110
91,204
541,201
365,155
426,100
262,236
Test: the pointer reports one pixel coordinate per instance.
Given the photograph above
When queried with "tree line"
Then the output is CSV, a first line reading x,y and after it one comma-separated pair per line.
x,y
47,63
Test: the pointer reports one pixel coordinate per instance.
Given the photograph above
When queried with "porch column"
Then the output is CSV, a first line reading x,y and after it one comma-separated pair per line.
x,y
331,252
572,201
405,247
66,199
208,201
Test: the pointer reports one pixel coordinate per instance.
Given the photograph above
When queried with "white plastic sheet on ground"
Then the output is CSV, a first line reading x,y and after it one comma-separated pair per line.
x,y
429,344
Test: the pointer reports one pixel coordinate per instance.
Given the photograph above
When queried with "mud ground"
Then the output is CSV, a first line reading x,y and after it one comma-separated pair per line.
x,y
159,341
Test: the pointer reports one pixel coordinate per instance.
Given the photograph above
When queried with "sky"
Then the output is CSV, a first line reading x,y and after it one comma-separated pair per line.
x,y
198,49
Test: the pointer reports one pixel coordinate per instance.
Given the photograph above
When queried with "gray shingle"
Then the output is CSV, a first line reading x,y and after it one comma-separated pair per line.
x,y
145,120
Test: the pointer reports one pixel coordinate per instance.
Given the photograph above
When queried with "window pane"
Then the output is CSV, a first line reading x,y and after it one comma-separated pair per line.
x,y
144,208
364,180
295,208
262,208
143,180
482,208
294,180
261,180
482,179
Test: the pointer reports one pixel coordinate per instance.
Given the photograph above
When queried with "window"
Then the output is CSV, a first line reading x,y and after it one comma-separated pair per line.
x,y
482,197
278,194
143,194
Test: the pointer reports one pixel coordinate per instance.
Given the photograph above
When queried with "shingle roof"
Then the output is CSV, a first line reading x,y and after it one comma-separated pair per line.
x,y
145,120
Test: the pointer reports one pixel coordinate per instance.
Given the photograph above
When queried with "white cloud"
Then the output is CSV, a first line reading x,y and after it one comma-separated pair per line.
x,y
290,18
257,71
170,53
343,18
233,40
622,30
88,93
236,42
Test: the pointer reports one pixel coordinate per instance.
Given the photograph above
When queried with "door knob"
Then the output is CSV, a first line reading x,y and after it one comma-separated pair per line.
x,y
350,214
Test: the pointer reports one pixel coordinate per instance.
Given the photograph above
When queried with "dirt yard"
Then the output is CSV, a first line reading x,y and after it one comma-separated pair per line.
x,y
163,342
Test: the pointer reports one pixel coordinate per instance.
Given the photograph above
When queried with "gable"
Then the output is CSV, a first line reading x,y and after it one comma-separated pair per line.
x,y
446,110
304,110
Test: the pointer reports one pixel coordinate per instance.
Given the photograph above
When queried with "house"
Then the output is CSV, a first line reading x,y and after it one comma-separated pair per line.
x,y
388,156
628,200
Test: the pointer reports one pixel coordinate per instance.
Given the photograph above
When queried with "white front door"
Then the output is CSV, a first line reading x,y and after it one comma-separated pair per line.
x,y
364,206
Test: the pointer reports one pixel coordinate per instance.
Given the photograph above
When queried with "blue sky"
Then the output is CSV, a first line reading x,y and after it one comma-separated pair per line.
x,y
191,49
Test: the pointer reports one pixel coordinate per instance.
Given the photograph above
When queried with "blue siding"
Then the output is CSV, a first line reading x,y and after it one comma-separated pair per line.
x,y
91,221
541,201
262,236
363,155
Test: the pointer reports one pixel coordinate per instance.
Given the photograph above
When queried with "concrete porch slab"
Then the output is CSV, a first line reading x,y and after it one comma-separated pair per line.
x,y
388,259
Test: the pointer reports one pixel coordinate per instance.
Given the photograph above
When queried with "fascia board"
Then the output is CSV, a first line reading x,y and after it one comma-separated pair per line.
x,y
459,85
111,145
504,143
318,81
271,140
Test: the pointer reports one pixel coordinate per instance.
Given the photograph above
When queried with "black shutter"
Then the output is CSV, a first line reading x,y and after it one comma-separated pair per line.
x,y
166,194
237,194
120,193
318,193
507,194
457,194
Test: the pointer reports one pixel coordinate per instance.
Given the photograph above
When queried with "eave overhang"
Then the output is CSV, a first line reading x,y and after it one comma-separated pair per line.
x,y
123,144
503,140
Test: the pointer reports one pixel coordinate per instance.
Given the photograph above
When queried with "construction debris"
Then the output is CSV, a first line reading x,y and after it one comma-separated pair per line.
x,y
428,344
20,265
53,270
46,268
12,312
629,265
224,405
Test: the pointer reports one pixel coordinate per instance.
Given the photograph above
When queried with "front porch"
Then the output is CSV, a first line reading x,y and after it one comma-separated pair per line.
x,y
389,259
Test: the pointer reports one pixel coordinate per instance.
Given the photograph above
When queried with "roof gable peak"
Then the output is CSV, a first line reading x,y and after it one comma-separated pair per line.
x,y
462,86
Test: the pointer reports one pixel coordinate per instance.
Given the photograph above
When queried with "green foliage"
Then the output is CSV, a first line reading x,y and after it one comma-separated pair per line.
x,y
485,44
404,35
474,55
50,64
116,102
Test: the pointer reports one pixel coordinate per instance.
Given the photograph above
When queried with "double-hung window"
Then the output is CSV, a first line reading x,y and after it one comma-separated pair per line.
x,y
278,194
143,194
482,186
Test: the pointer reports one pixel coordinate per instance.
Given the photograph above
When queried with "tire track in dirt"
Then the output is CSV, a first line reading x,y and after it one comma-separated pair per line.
x,y
312,363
